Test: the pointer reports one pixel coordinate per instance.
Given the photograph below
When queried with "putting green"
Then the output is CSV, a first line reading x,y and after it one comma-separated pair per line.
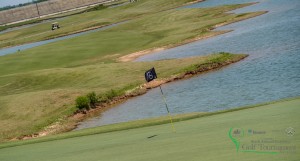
x,y
204,138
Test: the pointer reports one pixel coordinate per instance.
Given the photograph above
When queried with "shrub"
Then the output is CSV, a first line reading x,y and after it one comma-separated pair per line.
x,y
108,95
82,102
92,99
111,94
103,98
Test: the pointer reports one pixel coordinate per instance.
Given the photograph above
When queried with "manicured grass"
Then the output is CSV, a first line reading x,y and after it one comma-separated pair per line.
x,y
204,138
39,86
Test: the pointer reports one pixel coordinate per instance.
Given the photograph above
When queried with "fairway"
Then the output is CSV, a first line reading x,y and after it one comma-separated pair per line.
x,y
204,138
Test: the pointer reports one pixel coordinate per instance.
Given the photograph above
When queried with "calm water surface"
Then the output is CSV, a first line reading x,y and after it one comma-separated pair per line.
x,y
271,72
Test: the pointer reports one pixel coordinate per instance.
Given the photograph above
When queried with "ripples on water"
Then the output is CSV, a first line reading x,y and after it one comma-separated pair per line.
x,y
271,72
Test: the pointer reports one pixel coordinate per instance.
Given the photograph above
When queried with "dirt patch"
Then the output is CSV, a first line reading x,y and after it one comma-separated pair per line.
x,y
133,56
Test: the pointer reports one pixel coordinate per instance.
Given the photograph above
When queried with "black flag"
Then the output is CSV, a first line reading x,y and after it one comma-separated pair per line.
x,y
150,75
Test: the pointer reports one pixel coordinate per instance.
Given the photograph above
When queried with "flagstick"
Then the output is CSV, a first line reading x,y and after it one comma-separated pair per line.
x,y
165,101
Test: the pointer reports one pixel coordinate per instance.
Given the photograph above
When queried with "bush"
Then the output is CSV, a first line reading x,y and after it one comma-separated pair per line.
x,y
111,94
82,102
103,98
108,96
92,99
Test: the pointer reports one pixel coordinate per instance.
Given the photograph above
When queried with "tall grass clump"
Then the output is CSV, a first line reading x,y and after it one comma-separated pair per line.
x,y
82,102
93,100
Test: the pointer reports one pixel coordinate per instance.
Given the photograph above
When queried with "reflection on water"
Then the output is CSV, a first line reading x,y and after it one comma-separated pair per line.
x,y
271,72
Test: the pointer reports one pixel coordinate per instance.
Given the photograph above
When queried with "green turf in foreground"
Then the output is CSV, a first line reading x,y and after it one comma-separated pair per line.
x,y
204,138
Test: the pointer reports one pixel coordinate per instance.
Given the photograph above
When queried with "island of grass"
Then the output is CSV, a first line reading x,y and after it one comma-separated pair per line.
x,y
38,87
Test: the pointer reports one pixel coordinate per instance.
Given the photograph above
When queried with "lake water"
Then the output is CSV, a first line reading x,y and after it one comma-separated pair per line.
x,y
271,72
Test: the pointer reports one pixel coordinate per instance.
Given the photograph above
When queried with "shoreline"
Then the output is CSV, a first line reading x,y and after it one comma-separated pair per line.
x,y
211,33
71,122
142,123
135,55
142,89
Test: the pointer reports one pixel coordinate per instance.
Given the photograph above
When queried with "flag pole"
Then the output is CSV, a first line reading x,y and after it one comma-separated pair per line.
x,y
165,101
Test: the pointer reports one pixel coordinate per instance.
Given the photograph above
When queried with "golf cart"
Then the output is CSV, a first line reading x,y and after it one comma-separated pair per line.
x,y
55,26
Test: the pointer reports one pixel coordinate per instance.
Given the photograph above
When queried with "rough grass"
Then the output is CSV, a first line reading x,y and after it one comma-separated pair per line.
x,y
204,138
32,100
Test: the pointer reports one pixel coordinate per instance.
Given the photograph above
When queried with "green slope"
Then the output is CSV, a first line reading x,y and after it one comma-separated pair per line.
x,y
204,138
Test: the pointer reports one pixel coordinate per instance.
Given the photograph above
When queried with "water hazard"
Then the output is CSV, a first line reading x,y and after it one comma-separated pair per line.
x,y
271,72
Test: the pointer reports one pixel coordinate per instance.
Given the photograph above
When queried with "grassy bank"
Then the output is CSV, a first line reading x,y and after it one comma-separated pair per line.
x,y
38,86
201,137
33,100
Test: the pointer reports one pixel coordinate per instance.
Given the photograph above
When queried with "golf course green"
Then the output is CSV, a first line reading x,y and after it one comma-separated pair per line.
x,y
206,137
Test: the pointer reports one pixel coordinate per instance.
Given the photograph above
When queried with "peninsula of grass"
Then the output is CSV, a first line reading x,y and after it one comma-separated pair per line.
x,y
33,100
38,87
198,135
91,20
